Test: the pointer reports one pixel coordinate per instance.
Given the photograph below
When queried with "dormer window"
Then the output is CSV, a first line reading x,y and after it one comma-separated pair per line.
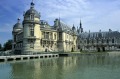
x,y
31,17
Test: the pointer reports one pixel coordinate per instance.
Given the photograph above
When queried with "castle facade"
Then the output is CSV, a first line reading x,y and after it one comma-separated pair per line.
x,y
36,35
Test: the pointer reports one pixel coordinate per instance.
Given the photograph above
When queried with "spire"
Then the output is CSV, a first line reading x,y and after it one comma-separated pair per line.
x,y
80,24
32,4
59,20
59,16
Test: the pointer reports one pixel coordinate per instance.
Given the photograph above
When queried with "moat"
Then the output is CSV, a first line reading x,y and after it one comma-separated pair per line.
x,y
83,66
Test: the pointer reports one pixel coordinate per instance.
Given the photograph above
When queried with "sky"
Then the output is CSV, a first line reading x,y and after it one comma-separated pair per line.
x,y
95,14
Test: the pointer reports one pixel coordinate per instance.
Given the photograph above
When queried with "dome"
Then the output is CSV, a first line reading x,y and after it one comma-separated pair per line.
x,y
32,11
73,28
18,25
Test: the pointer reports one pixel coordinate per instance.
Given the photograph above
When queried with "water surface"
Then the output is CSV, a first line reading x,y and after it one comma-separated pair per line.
x,y
97,66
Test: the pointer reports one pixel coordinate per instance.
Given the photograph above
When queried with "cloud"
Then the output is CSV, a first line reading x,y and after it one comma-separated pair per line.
x,y
68,10
95,14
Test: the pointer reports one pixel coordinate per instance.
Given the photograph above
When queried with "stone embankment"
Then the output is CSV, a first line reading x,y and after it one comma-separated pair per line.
x,y
26,57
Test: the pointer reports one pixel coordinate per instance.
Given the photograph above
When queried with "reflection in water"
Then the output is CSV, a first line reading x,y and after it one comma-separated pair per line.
x,y
97,66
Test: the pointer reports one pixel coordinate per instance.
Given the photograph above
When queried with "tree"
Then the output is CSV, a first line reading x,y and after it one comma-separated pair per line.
x,y
8,45
0,47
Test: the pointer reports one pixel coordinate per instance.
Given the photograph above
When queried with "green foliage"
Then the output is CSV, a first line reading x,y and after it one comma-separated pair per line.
x,y
0,47
8,45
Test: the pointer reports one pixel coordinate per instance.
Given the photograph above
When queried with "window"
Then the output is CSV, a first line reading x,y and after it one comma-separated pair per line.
x,y
31,17
107,41
55,36
60,35
31,43
32,30
47,35
51,37
113,41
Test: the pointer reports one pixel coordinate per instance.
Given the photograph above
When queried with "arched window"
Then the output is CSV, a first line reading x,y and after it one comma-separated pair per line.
x,y
113,40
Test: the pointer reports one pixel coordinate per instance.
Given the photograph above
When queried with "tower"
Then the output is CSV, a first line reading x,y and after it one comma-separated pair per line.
x,y
16,29
80,29
31,30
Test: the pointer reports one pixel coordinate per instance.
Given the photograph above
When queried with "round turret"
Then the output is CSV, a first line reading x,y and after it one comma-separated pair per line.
x,y
17,26
31,13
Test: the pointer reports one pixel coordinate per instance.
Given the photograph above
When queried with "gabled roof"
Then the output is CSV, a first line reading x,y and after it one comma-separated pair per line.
x,y
100,34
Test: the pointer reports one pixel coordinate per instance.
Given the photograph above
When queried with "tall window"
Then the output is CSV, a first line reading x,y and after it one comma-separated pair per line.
x,y
113,40
55,36
31,43
60,35
107,41
51,37
47,35
31,17
31,30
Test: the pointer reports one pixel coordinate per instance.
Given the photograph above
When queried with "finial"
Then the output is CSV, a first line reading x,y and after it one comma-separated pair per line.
x,y
18,20
32,4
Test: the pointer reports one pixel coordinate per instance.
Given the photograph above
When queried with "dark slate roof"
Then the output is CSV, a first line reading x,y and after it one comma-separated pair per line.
x,y
17,26
100,35
64,27
32,11
44,24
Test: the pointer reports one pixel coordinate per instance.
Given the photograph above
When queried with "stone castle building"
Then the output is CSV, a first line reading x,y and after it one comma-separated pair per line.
x,y
36,35
99,41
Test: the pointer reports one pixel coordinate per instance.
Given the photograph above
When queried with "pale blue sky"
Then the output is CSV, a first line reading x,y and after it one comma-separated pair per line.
x,y
95,14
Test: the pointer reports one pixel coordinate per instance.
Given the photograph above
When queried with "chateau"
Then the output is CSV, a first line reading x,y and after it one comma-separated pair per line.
x,y
99,41
36,35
